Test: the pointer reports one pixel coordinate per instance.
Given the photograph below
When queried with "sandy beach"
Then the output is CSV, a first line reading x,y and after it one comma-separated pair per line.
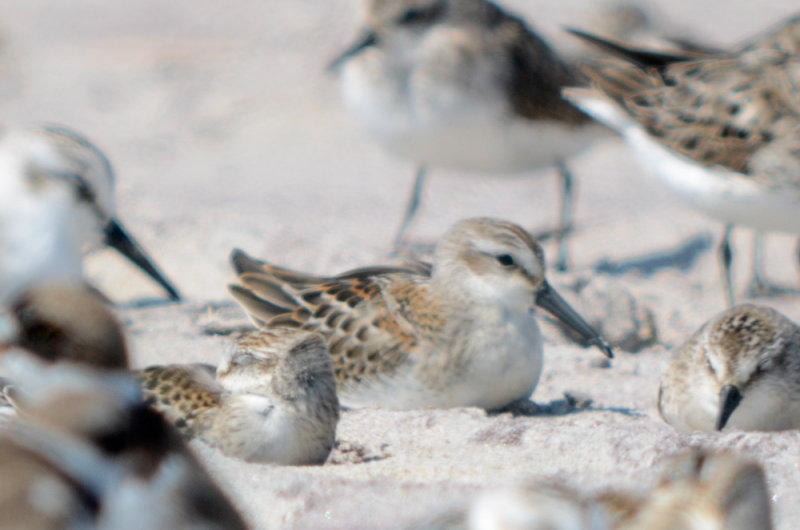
x,y
225,131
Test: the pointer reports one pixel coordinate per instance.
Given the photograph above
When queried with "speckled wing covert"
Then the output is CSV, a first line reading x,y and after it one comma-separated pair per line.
x,y
187,395
784,38
739,110
370,317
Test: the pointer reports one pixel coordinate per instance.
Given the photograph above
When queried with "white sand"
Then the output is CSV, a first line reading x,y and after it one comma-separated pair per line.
x,y
225,132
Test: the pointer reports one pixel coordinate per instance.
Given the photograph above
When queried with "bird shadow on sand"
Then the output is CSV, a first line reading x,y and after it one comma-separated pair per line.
x,y
681,257
147,303
571,403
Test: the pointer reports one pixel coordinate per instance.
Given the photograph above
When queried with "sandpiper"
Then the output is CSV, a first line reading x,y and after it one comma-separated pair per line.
x,y
89,451
459,332
57,201
739,370
698,490
464,85
718,129
705,490
272,399
63,322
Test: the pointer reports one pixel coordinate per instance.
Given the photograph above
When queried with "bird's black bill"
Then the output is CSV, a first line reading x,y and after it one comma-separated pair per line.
x,y
549,300
729,399
122,242
367,39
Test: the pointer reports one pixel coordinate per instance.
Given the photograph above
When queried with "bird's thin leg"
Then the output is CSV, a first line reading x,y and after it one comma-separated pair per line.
x,y
760,286
797,257
565,219
413,206
725,259
759,283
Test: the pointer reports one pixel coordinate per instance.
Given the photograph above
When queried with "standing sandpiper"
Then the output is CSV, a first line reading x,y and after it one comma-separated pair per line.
x,y
720,131
464,85
460,332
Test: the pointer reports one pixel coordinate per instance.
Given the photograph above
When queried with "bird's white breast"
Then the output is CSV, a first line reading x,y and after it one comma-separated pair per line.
x,y
466,123
37,232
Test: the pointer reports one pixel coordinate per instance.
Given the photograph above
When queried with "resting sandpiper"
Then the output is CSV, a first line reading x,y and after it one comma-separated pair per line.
x,y
740,370
460,332
272,399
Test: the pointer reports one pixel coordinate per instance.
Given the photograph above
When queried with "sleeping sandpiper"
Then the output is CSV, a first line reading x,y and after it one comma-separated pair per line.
x,y
272,399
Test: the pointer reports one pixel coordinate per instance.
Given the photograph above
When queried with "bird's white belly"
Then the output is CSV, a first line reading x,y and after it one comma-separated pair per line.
x,y
503,372
718,192
260,429
503,365
35,239
467,130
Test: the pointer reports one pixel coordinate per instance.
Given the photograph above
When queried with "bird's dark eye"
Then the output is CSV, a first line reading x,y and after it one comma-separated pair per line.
x,y
411,16
505,260
428,14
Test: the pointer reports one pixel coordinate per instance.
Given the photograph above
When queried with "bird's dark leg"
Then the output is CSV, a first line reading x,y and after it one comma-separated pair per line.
x,y
565,219
725,259
413,206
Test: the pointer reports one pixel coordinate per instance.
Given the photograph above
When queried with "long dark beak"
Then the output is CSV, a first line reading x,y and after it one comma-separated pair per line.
x,y
122,242
368,38
549,300
729,399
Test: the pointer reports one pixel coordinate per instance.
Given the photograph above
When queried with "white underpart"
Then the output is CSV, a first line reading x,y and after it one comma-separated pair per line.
x,y
43,228
718,192
694,411
767,405
467,125
502,371
505,359
268,431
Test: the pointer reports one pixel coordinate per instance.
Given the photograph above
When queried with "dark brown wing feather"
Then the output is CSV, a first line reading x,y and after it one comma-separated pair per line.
x,y
537,74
